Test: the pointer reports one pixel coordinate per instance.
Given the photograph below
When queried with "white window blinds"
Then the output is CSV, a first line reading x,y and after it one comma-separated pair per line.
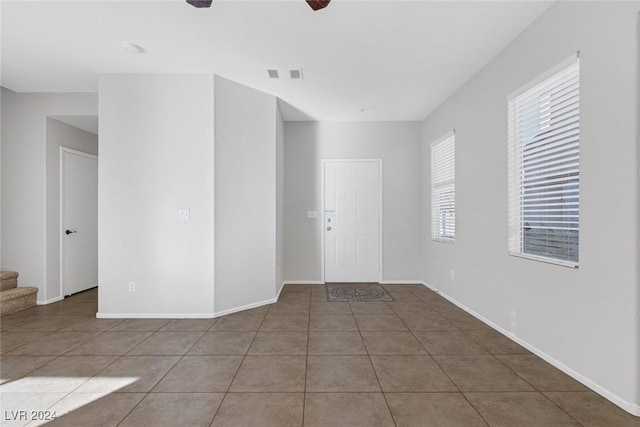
x,y
443,189
544,168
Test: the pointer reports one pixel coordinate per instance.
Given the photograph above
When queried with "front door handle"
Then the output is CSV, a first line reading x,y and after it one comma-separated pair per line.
x,y
70,232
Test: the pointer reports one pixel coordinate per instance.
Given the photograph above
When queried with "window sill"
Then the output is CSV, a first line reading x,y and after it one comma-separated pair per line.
x,y
562,263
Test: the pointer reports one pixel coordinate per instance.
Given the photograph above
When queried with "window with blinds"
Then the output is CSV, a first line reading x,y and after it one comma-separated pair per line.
x,y
544,167
443,189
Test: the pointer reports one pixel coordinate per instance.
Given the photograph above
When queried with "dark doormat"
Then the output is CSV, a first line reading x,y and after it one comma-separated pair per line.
x,y
357,292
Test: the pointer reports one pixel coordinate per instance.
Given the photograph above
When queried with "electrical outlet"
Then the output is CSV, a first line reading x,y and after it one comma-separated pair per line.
x,y
132,286
184,214
452,274
312,214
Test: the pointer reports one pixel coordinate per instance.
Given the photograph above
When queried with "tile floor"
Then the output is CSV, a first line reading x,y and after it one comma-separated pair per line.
x,y
416,361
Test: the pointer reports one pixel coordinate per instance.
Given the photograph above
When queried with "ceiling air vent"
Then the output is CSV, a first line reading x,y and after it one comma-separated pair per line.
x,y
285,73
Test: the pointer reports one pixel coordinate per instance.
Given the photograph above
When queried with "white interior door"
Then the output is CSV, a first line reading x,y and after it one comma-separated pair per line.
x,y
352,221
79,220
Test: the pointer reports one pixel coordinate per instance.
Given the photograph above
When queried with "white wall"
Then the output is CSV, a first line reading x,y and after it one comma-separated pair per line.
x,y
398,145
156,156
279,200
584,319
245,196
24,178
59,134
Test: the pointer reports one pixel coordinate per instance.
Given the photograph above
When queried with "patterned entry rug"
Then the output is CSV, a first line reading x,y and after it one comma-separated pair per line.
x,y
357,292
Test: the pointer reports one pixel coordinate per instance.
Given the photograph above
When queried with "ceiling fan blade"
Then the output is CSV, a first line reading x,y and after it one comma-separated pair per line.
x,y
200,3
318,4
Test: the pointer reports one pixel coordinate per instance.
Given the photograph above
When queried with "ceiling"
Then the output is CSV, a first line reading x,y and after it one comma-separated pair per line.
x,y
400,59
86,123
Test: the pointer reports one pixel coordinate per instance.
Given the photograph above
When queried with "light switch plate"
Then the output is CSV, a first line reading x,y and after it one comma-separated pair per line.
x,y
312,214
184,214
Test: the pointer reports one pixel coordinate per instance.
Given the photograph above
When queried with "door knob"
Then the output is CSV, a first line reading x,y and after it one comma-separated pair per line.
x,y
70,232
328,228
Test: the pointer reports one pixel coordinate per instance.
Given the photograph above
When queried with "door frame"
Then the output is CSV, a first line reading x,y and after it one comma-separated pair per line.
x,y
323,163
68,150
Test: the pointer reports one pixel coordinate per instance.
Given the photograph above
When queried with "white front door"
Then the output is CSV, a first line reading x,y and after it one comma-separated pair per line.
x,y
352,221
79,220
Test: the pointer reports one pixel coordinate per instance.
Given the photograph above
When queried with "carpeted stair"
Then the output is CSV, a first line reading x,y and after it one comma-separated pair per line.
x,y
12,297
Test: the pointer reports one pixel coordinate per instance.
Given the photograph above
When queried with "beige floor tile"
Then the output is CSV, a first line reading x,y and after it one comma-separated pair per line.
x,y
288,308
335,342
222,344
10,321
295,297
370,308
238,322
279,343
12,367
260,409
519,409
130,374
391,342
172,409
49,323
89,409
540,374
140,325
270,374
200,374
593,410
110,343
346,410
10,340
448,342
427,320
496,343
17,407
332,322
166,344
341,374
481,373
188,325
379,322
464,321
285,323
323,307
413,305
92,325
54,344
415,373
63,374
432,409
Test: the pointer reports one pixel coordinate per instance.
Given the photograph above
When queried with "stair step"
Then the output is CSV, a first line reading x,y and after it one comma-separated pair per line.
x,y
17,299
8,280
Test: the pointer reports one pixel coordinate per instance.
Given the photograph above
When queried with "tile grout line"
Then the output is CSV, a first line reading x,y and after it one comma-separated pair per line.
x,y
374,369
447,375
239,365
158,382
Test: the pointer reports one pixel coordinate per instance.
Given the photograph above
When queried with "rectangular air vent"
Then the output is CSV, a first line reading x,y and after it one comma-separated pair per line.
x,y
285,73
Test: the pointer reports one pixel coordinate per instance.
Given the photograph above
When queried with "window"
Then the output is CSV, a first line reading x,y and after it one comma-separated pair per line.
x,y
443,189
544,167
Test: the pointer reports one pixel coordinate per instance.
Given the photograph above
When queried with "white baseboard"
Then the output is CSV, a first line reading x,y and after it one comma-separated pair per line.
x,y
631,408
302,282
246,307
49,301
155,315
402,282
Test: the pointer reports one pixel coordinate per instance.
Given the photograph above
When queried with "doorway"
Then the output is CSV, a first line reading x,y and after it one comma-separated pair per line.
x,y
78,221
352,221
